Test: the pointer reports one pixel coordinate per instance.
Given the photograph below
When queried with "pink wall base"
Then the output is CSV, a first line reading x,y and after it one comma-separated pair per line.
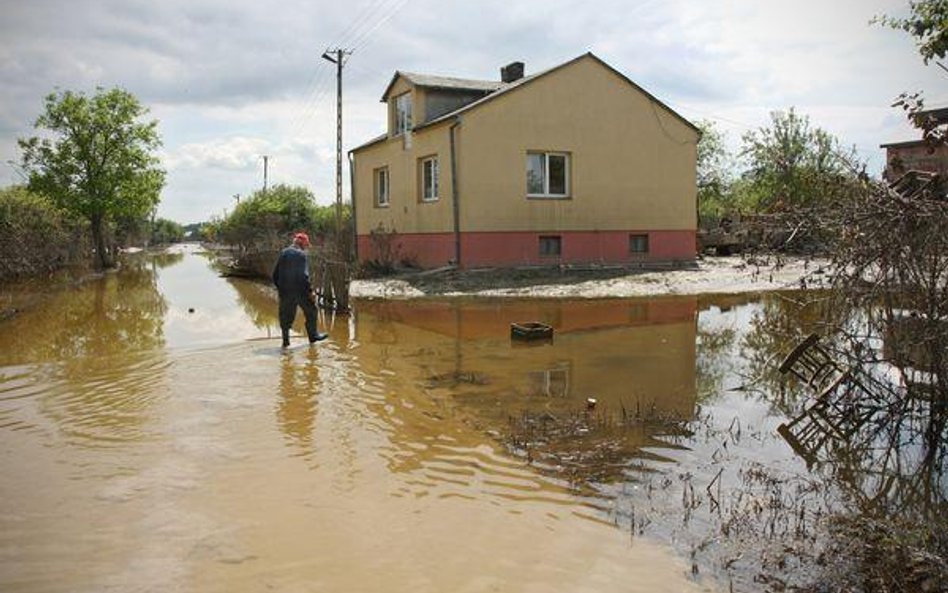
x,y
427,250
430,250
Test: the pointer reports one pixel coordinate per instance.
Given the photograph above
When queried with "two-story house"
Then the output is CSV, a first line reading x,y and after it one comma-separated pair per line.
x,y
575,164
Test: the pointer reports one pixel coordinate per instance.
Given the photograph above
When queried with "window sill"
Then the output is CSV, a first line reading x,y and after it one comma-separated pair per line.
x,y
549,197
382,205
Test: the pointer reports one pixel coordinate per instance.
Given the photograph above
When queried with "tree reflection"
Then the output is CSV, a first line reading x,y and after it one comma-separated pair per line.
x,y
113,314
96,349
166,259
258,301
781,322
877,430
718,338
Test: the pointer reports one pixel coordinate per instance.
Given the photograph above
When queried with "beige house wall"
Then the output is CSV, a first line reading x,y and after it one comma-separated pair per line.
x,y
406,212
632,163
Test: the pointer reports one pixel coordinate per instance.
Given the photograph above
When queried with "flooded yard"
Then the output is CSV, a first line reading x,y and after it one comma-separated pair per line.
x,y
154,437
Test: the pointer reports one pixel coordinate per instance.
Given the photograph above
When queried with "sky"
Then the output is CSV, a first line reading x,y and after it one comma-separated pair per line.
x,y
231,81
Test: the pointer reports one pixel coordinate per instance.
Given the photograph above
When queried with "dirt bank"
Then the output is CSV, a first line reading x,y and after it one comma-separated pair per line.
x,y
722,275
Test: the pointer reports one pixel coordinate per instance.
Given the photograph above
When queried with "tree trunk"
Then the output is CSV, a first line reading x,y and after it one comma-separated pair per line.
x,y
102,259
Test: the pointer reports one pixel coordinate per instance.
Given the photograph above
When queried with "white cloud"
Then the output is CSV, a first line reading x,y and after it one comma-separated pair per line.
x,y
231,81
233,154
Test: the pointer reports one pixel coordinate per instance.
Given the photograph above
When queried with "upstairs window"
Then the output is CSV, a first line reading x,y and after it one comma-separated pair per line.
x,y
381,187
402,113
547,175
429,179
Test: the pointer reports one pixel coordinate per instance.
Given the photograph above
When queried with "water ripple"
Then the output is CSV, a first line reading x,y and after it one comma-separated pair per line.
x,y
105,403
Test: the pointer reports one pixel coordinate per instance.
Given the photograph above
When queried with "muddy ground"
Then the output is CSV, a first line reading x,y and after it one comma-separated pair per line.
x,y
709,275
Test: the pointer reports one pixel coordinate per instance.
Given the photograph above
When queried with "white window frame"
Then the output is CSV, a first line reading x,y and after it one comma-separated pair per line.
x,y
382,199
432,195
544,381
546,178
402,114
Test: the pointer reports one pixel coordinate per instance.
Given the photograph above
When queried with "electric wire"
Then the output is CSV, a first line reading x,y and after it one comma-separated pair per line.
x,y
361,43
367,10
358,34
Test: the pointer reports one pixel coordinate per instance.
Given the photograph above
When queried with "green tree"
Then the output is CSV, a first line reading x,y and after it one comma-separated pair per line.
x,y
792,165
714,174
96,160
265,219
928,24
164,231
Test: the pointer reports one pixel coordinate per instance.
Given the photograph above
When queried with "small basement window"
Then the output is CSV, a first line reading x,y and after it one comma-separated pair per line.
x,y
550,245
638,243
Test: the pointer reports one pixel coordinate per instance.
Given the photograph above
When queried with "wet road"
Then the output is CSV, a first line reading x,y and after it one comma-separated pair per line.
x,y
148,447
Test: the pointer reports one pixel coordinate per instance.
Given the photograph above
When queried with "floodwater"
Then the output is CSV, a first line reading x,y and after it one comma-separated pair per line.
x,y
154,437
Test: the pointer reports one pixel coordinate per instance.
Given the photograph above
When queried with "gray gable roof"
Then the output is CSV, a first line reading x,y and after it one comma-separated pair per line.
x,y
509,87
443,82
500,89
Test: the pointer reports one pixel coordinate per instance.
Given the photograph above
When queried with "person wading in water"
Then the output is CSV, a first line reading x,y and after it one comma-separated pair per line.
x,y
291,277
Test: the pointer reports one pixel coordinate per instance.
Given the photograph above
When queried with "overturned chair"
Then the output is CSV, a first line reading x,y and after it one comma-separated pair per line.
x,y
837,410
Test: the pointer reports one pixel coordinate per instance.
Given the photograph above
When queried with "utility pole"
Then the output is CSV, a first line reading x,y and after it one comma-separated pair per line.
x,y
266,159
337,56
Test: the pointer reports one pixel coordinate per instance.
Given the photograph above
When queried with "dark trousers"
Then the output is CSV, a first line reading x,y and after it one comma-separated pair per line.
x,y
288,305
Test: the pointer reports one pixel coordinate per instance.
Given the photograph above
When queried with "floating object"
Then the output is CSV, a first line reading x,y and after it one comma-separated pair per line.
x,y
531,330
190,309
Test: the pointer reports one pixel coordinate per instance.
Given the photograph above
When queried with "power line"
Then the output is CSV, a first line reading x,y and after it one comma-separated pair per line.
x,y
317,79
715,116
358,31
319,91
368,9
361,43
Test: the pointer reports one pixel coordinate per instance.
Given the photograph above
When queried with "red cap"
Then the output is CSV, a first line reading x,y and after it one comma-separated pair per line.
x,y
302,239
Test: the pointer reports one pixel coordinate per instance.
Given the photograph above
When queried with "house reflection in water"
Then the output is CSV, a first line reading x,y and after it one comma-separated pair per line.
x,y
635,355
438,377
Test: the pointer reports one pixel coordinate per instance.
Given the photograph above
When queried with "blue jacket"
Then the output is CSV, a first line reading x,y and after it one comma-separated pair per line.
x,y
291,273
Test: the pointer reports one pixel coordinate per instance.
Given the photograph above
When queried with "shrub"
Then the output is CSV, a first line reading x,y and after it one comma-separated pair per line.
x,y
36,236
264,221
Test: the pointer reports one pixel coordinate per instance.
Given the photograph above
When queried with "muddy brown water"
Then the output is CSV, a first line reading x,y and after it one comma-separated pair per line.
x,y
154,437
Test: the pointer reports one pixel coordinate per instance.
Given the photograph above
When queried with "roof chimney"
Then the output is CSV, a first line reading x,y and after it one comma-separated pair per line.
x,y
511,72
